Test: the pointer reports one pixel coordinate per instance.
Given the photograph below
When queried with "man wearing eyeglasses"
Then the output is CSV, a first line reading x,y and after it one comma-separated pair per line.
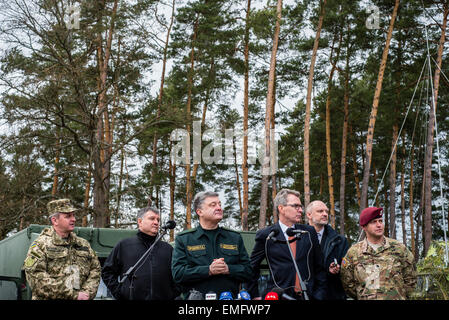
x,y
281,251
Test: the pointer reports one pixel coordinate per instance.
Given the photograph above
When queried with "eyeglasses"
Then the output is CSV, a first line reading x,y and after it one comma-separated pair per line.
x,y
296,206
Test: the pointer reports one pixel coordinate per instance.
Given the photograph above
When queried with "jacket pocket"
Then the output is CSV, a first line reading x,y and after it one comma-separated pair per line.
x,y
230,253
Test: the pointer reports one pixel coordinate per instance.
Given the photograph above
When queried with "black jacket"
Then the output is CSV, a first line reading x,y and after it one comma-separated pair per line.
x,y
152,281
308,257
333,246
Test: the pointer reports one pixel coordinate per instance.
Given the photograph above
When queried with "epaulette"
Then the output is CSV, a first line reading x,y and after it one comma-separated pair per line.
x,y
186,231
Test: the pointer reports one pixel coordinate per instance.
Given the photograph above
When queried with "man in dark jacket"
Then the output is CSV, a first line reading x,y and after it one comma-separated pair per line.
x,y
152,278
333,245
271,244
210,258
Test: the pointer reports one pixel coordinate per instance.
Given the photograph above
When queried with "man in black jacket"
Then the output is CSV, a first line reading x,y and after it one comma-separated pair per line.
x,y
271,244
333,245
152,278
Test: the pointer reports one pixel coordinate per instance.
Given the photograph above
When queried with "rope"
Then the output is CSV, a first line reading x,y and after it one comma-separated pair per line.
x,y
399,134
446,258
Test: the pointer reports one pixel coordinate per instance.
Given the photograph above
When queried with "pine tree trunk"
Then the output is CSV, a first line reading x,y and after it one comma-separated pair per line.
x,y
188,223
102,146
330,178
273,155
411,212
344,141
245,123
86,194
372,120
404,231
54,189
119,188
159,100
355,167
237,180
393,182
203,122
172,175
308,107
430,138
270,101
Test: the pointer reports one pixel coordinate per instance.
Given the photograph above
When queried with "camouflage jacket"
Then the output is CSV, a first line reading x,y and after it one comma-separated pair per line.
x,y
59,268
385,274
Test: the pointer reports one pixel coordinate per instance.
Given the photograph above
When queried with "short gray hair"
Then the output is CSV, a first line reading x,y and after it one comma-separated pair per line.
x,y
141,212
311,205
200,197
281,198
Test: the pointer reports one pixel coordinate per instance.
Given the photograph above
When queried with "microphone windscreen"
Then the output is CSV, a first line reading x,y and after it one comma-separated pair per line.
x,y
211,296
226,296
290,232
195,295
170,224
271,296
244,295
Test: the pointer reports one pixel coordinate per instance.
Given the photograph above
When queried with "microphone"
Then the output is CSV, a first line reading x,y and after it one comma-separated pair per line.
x,y
272,234
211,296
170,224
195,295
226,295
271,296
244,295
293,232
281,292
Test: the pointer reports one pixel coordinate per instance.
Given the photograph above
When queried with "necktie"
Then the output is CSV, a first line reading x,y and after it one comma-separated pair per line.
x,y
293,247
319,237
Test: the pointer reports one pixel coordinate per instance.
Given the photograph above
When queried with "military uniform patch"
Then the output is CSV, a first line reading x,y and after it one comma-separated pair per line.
x,y
30,261
228,246
344,262
196,248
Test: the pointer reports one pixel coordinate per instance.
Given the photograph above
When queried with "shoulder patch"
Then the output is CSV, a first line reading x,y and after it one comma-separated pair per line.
x,y
30,261
344,262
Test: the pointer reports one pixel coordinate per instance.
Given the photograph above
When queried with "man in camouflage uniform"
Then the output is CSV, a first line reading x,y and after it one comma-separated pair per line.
x,y
60,265
377,268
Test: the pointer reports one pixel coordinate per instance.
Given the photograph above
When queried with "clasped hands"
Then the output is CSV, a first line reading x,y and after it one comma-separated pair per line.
x,y
218,266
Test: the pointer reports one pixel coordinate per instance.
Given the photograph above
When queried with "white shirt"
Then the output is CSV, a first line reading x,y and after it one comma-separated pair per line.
x,y
284,229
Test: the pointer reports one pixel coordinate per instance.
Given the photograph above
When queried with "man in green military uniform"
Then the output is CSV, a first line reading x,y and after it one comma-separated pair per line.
x,y
210,258
377,268
60,265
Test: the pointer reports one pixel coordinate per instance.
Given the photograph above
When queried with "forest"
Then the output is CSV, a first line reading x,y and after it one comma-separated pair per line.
x,y
118,105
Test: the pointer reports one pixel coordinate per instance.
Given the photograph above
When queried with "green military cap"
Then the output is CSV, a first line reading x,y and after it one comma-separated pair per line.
x,y
60,205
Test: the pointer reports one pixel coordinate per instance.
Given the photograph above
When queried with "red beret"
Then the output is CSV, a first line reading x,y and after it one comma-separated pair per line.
x,y
369,214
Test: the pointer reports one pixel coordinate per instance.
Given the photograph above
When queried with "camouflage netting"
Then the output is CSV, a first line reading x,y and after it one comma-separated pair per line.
x,y
433,274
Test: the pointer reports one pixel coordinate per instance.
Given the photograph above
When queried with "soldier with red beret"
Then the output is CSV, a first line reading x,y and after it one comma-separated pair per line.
x,y
378,267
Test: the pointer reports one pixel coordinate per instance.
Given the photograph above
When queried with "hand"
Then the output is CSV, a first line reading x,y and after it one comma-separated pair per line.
x,y
218,266
334,268
83,296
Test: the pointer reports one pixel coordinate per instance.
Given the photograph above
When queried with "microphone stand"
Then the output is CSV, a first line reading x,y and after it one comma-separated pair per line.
x,y
144,256
301,282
